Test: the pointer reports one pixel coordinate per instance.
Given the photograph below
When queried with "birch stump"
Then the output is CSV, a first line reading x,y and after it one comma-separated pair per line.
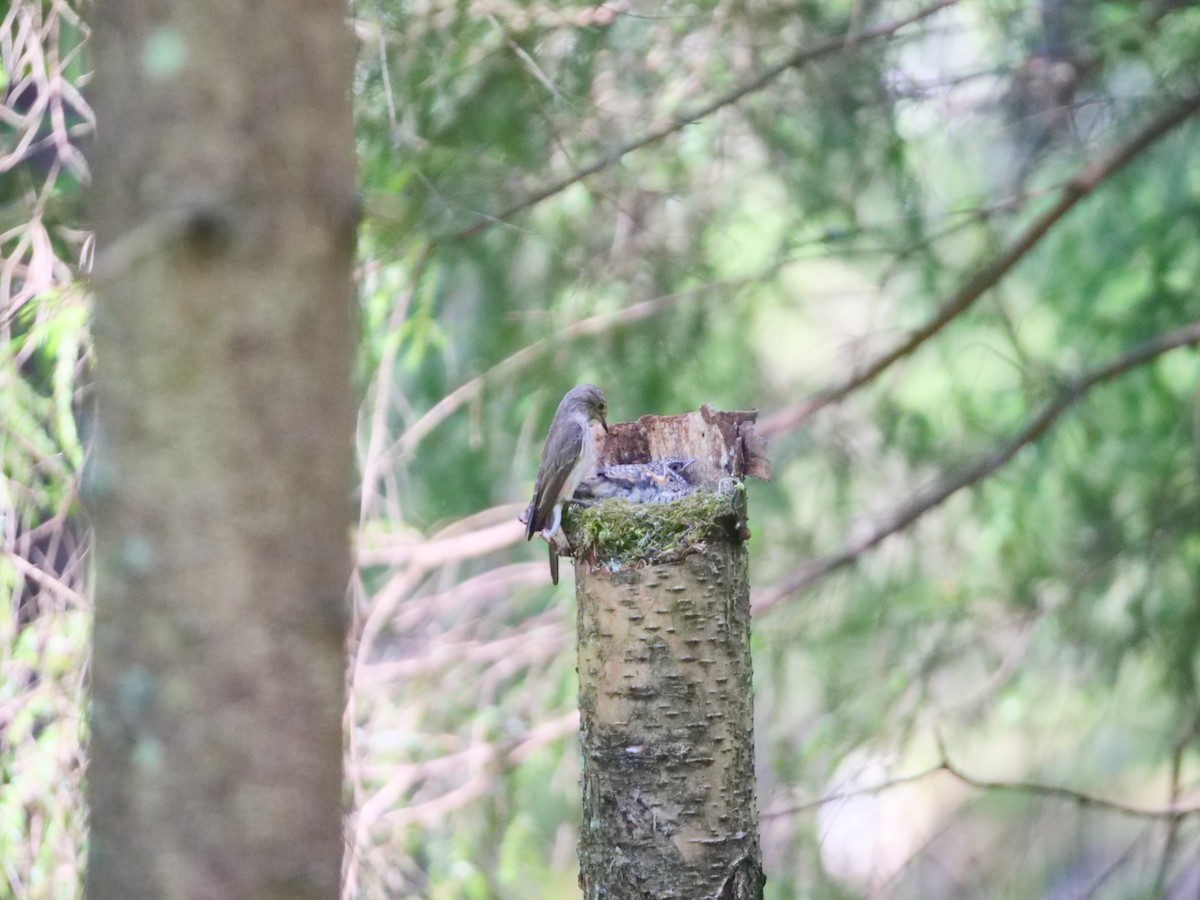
x,y
665,699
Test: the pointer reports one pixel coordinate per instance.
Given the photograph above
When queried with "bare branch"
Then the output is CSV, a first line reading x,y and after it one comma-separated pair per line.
x,y
1071,393
852,38
373,456
1079,798
1083,184
485,762
868,791
1182,743
46,580
1173,811
429,554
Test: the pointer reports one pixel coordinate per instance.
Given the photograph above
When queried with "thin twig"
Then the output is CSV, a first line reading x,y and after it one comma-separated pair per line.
x,y
1071,393
834,797
486,761
851,39
46,580
1077,188
1115,864
1169,841
406,446
373,461
1079,798
1053,791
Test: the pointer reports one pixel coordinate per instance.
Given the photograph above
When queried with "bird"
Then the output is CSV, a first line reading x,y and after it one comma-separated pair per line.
x,y
567,456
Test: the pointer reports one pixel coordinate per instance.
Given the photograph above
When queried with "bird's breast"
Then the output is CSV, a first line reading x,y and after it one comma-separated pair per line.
x,y
583,465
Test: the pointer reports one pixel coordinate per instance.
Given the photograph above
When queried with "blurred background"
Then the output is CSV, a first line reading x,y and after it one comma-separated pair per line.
x,y
946,249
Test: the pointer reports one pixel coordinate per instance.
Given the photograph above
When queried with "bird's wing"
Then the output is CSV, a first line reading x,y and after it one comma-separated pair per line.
x,y
563,446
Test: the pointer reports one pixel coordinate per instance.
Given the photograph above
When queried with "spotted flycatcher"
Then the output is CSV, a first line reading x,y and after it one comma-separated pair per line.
x,y
568,456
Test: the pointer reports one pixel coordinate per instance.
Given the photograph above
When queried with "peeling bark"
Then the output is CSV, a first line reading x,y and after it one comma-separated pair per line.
x,y
723,444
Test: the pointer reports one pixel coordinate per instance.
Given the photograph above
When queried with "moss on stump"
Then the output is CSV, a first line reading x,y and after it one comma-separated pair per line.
x,y
618,534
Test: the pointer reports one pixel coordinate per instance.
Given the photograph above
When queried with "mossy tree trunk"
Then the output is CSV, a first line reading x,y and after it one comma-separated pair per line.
x,y
665,696
221,474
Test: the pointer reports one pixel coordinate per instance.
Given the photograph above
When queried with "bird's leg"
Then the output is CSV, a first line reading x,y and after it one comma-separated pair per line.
x,y
558,540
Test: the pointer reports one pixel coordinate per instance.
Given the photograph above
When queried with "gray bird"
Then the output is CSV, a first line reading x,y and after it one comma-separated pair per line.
x,y
567,457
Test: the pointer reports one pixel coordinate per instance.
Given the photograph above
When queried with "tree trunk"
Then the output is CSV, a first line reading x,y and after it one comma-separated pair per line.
x,y
665,693
221,471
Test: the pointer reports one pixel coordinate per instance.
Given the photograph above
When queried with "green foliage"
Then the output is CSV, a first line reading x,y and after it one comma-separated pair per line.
x,y
1043,623
45,632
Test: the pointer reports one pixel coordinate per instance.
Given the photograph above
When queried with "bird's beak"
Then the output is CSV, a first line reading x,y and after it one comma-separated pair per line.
x,y
604,424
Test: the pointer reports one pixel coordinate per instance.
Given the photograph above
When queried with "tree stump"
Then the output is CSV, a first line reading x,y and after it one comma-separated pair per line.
x,y
665,693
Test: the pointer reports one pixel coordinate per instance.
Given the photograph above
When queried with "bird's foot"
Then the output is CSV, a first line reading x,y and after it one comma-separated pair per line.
x,y
557,540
